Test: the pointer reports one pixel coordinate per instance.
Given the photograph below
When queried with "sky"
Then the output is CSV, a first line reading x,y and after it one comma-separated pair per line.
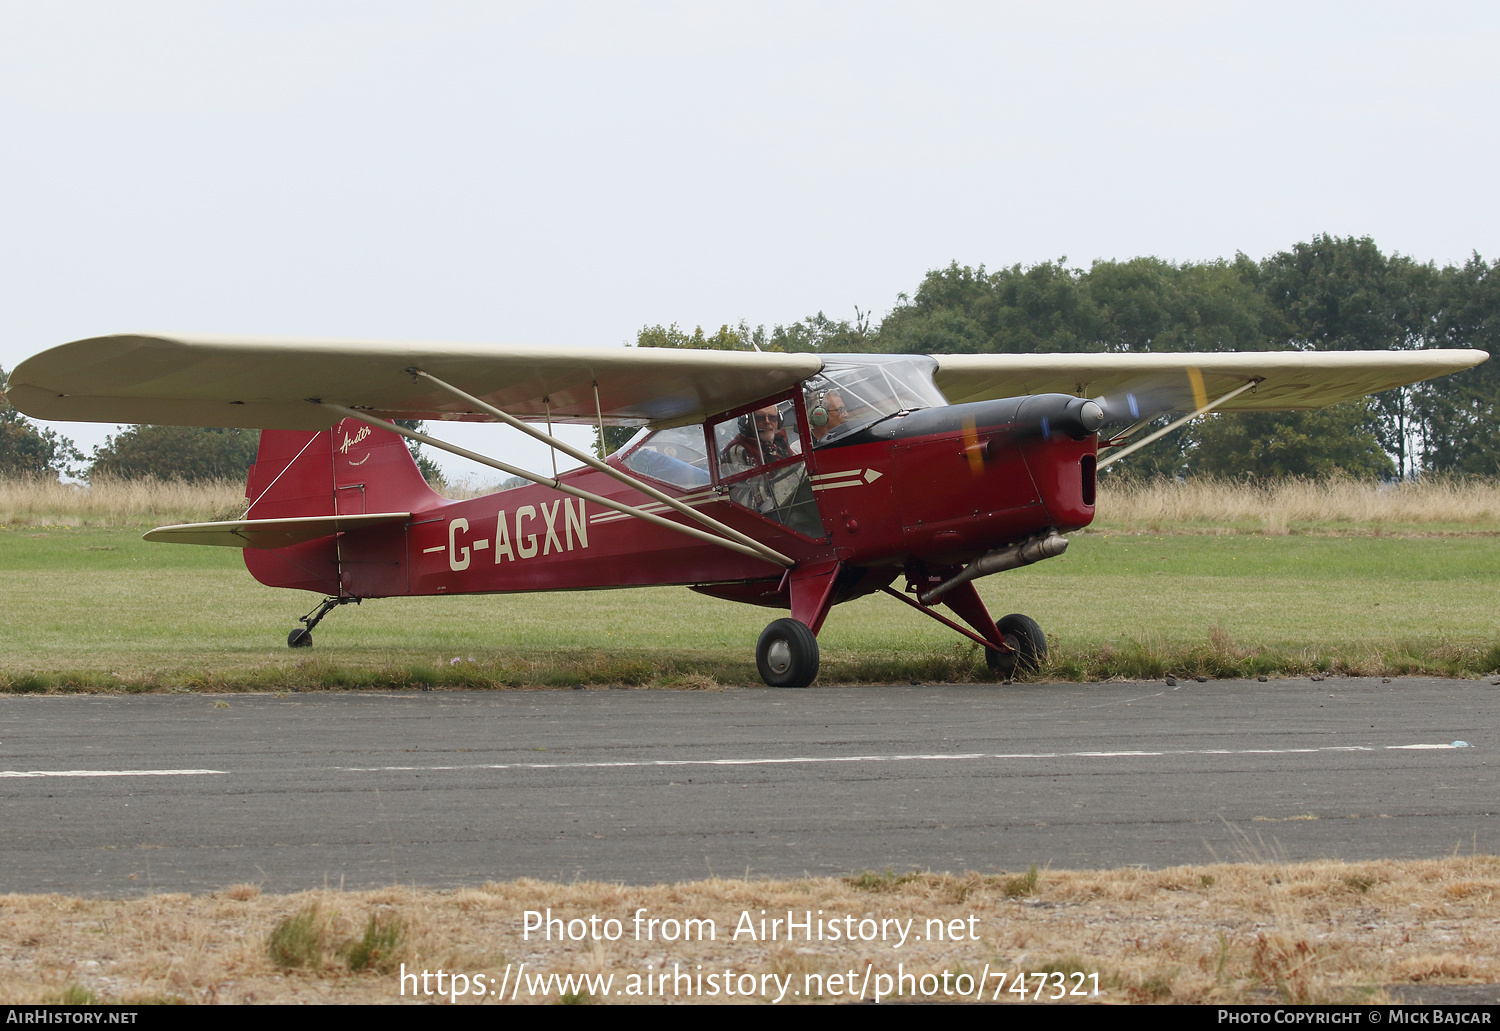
x,y
566,173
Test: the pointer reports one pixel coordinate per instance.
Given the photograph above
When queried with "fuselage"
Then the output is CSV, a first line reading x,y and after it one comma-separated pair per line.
x,y
937,486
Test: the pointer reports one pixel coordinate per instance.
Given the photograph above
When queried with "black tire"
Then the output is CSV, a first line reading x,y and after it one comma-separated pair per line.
x,y
299,638
787,654
1024,635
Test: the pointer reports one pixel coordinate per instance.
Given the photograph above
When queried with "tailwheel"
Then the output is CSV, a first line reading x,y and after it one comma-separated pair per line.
x,y
787,654
1029,643
301,637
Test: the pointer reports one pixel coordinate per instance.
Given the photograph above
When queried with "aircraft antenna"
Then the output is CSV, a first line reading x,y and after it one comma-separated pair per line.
x,y
600,409
548,402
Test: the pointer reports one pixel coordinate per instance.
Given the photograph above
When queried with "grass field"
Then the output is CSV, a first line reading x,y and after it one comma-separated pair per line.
x,y
99,609
1192,579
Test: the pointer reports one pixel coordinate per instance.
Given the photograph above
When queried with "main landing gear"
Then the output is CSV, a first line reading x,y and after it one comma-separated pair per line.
x,y
302,636
1014,645
1028,647
787,654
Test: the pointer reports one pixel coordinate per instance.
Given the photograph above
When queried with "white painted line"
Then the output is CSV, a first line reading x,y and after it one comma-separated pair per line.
x,y
108,773
765,761
655,507
1093,755
939,757
678,762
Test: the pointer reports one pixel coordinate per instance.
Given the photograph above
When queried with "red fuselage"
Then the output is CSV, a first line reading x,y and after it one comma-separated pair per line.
x,y
931,489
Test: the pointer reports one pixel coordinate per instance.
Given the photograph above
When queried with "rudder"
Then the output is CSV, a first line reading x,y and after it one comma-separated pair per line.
x,y
351,468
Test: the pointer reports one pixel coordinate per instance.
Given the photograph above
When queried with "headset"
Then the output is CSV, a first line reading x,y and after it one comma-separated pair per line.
x,y
747,423
817,412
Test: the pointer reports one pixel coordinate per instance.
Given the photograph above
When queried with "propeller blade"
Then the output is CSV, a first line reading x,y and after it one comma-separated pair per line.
x,y
1146,399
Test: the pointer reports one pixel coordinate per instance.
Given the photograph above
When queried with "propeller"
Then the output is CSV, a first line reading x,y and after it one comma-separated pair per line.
x,y
1137,403
1140,402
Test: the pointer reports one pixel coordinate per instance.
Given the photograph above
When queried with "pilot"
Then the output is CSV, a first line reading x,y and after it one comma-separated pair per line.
x,y
765,445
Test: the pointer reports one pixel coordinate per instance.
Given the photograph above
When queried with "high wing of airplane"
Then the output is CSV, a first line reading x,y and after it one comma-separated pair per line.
x,y
791,481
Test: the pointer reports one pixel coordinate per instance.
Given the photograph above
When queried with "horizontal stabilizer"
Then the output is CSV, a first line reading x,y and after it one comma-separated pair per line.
x,y
269,533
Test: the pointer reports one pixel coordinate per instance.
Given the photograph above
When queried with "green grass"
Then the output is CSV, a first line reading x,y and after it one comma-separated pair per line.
x,y
76,995
297,940
99,609
1025,884
383,941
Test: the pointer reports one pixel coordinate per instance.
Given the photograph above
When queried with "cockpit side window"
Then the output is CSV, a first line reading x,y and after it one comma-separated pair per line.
x,y
762,465
677,456
761,437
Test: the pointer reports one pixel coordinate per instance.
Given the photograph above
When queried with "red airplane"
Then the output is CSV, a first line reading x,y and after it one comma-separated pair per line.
x,y
792,481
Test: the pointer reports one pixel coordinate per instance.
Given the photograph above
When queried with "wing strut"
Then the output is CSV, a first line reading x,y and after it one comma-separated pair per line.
x,y
608,470
1210,406
760,551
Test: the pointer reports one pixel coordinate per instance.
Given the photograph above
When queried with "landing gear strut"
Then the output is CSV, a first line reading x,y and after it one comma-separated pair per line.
x,y
302,636
787,654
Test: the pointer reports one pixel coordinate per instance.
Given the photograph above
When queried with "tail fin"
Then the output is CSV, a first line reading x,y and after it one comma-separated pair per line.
x,y
350,469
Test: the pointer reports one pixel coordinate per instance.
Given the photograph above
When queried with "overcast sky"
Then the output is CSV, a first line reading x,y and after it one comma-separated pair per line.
x,y
566,173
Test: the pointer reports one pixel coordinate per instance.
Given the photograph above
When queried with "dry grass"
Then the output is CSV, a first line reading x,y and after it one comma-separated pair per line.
x,y
1279,506
1313,932
37,501
1282,506
463,488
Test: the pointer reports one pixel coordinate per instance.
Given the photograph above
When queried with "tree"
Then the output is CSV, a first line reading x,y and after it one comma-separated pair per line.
x,y
1460,415
1329,293
1342,293
728,338
1275,445
821,334
1143,304
1146,304
963,310
26,450
188,453
426,466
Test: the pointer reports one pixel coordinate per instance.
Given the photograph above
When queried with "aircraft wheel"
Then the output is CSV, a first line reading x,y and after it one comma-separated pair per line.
x,y
299,638
1024,635
787,654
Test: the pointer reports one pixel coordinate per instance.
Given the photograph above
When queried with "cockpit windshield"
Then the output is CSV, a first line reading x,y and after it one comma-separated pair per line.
x,y
850,393
853,392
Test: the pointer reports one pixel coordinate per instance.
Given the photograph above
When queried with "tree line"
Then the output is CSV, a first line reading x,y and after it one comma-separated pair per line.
x,y
1331,293
193,454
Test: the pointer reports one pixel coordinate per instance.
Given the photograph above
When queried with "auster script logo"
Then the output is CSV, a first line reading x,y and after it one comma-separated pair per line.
x,y
364,431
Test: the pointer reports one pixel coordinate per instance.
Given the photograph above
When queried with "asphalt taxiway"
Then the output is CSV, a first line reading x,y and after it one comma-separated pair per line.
x,y
120,795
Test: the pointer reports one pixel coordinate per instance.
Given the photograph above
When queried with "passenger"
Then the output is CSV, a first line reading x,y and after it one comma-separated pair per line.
x,y
834,413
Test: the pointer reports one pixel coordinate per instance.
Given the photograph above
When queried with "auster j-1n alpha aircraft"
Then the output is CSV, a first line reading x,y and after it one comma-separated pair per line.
x,y
792,481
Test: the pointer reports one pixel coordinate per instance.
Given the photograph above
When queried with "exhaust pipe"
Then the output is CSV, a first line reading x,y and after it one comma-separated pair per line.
x,y
998,561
